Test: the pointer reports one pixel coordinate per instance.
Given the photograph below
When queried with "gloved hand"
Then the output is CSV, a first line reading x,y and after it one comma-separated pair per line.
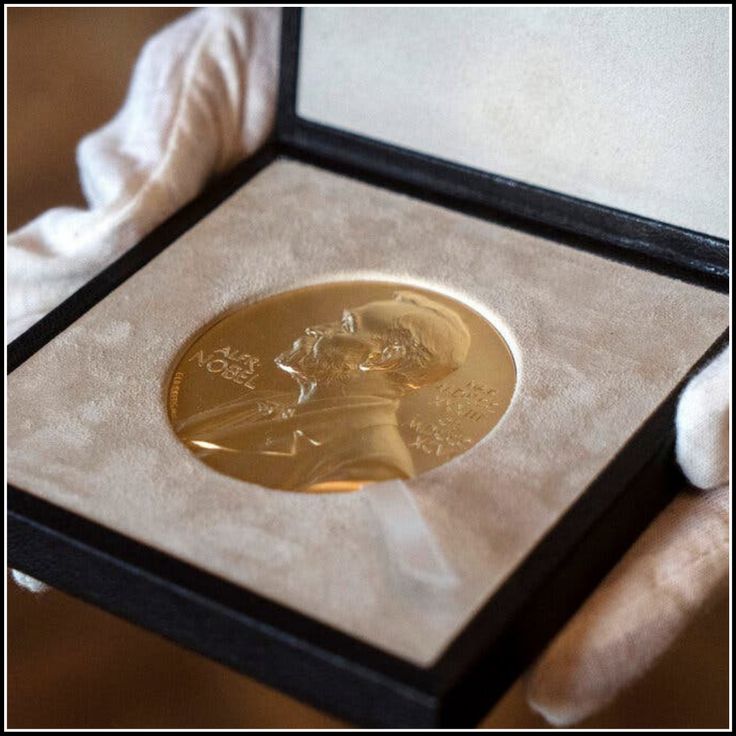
x,y
670,573
203,97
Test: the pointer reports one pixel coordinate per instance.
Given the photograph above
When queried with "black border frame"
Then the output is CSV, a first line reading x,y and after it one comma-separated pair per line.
x,y
287,649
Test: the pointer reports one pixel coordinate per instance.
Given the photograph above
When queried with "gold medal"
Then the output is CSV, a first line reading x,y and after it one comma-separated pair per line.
x,y
329,387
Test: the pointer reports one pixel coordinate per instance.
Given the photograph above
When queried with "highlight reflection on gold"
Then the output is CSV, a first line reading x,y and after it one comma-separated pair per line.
x,y
380,381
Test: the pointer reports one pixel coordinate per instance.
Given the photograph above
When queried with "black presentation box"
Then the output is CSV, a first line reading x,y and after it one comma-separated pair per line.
x,y
287,648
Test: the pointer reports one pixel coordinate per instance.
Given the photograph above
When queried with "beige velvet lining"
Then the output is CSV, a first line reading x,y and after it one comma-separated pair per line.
x,y
598,346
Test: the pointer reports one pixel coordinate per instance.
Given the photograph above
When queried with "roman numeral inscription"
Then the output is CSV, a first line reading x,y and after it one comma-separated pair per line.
x,y
440,438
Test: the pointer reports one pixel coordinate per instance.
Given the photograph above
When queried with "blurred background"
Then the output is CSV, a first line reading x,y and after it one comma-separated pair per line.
x,y
73,666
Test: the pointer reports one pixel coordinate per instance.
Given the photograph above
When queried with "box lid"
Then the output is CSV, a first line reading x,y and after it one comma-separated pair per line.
x,y
604,121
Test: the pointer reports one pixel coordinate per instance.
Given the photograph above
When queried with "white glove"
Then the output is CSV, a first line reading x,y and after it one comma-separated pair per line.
x,y
670,573
203,96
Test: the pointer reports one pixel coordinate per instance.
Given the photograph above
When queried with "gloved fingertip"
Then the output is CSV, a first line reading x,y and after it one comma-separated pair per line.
x,y
702,425
553,716
28,583
554,700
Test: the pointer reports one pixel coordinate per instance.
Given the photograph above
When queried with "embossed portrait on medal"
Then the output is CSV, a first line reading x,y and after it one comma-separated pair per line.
x,y
273,396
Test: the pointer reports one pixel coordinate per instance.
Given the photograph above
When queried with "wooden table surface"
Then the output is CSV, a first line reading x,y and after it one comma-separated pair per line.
x,y
73,666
